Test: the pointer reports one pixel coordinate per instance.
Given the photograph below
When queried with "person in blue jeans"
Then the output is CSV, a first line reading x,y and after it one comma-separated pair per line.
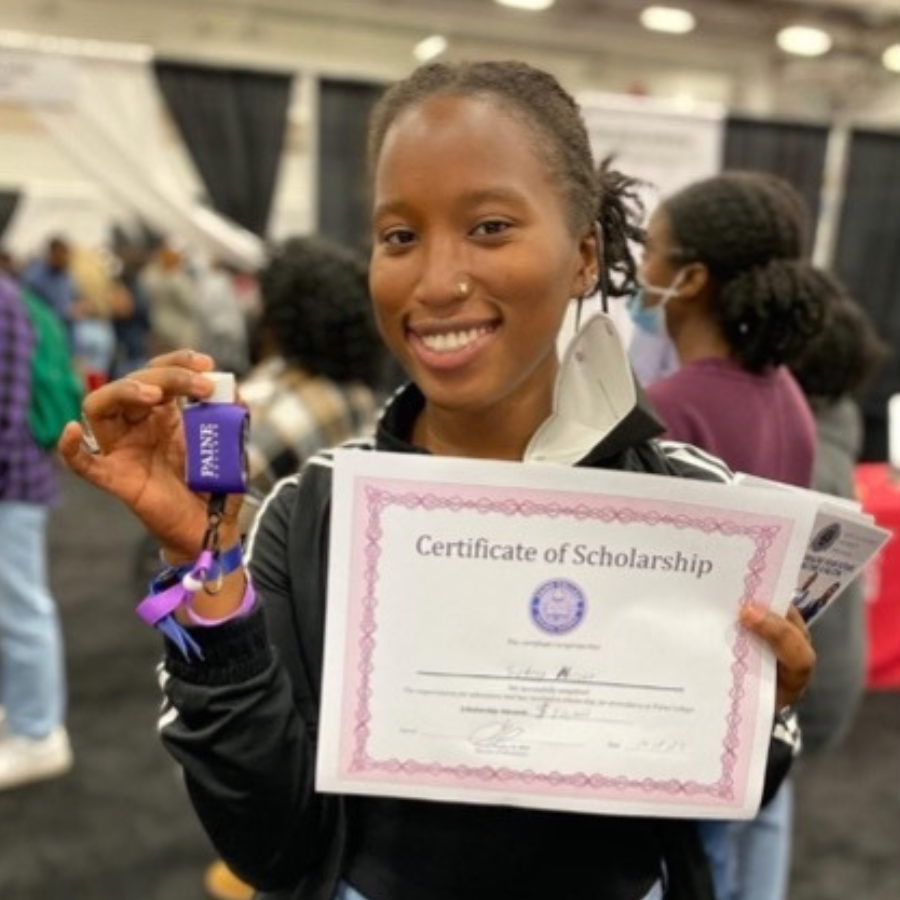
x,y
34,744
725,274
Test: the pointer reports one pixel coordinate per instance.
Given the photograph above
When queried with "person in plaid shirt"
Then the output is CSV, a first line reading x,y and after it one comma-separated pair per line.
x,y
34,743
321,364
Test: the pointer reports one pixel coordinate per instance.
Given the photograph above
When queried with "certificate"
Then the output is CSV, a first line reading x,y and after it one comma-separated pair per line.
x,y
551,637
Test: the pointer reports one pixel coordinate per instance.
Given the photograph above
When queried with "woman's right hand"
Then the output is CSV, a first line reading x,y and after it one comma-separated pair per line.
x,y
139,456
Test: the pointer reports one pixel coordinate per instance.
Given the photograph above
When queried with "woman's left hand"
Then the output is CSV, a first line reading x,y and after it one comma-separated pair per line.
x,y
789,639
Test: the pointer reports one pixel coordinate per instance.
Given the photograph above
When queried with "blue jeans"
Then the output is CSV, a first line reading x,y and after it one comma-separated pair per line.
x,y
32,670
750,860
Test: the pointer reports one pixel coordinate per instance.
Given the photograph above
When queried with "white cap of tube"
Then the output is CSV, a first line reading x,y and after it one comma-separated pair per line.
x,y
224,391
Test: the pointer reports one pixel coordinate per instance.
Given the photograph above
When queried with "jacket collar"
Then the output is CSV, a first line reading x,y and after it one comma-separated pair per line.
x,y
599,409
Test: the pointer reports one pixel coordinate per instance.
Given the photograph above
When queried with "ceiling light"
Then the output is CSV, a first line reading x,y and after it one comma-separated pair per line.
x,y
430,47
803,40
890,59
531,5
668,19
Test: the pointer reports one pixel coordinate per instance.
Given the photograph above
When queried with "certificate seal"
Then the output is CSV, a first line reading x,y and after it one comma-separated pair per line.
x,y
558,606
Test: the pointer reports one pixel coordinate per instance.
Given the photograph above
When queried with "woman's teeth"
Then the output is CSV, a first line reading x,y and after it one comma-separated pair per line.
x,y
453,340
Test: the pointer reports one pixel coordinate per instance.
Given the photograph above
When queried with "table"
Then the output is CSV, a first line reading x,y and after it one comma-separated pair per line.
x,y
878,489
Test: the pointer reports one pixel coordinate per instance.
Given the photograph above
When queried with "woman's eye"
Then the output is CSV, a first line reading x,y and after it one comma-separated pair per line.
x,y
492,226
397,237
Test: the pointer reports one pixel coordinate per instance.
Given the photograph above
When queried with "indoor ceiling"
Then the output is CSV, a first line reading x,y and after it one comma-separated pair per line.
x,y
730,57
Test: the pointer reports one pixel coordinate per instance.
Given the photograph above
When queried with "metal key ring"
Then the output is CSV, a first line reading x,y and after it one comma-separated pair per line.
x,y
88,441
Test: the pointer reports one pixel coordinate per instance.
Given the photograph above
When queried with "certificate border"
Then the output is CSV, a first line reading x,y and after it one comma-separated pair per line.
x,y
374,496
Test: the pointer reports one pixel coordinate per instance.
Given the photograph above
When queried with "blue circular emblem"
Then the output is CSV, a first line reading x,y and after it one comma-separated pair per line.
x,y
825,538
558,606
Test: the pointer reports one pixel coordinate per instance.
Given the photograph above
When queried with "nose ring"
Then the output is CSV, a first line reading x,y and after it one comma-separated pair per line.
x,y
462,289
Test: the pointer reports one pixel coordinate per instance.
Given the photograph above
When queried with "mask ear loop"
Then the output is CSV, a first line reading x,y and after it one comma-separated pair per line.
x,y
602,274
601,285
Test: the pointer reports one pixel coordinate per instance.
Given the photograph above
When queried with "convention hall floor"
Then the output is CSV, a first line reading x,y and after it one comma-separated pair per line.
x,y
118,827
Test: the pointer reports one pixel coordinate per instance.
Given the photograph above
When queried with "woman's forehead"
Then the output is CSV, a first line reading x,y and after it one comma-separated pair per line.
x,y
475,120
453,139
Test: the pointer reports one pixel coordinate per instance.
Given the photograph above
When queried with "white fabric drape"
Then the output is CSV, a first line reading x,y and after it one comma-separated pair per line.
x,y
113,130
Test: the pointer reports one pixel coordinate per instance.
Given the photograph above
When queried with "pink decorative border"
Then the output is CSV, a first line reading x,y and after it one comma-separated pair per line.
x,y
374,497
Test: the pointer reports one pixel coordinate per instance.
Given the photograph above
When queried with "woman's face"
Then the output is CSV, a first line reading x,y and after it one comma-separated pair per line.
x,y
463,199
661,259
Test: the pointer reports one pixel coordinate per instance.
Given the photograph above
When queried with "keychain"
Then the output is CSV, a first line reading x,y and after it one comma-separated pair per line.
x,y
215,431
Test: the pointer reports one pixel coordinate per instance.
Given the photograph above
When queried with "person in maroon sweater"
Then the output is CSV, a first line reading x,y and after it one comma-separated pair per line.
x,y
725,274
725,258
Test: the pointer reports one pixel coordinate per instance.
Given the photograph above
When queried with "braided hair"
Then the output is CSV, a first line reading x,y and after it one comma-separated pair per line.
x,y
594,196
751,230
317,313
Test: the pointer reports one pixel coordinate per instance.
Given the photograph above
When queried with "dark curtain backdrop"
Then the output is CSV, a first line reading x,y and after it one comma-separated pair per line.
x,y
9,200
794,151
343,205
233,123
867,258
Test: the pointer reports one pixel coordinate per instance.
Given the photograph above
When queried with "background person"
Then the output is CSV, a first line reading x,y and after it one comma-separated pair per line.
x,y
172,300
725,274
320,364
49,277
833,368
34,743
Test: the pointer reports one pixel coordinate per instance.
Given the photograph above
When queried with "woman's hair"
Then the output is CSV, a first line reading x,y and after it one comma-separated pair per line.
x,y
750,229
844,356
316,310
591,194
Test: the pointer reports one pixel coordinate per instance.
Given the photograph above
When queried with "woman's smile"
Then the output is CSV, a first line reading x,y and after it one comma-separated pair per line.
x,y
450,345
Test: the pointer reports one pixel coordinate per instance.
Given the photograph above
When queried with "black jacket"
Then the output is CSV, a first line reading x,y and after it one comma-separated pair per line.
x,y
242,722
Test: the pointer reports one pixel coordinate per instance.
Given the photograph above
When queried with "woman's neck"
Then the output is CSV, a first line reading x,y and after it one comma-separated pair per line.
x,y
482,434
700,339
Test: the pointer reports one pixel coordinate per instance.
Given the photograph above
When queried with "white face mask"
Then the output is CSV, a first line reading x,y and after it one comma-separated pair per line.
x,y
653,318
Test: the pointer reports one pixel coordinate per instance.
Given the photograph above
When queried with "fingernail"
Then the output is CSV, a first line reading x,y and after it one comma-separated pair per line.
x,y
200,385
196,358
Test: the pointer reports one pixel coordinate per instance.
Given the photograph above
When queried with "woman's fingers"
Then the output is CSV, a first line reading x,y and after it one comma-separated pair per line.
x,y
789,639
185,359
110,411
144,388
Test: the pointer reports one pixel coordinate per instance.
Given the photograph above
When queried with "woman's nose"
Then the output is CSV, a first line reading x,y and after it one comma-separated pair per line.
x,y
445,280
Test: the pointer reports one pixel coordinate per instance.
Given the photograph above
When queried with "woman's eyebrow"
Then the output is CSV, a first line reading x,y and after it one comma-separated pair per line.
x,y
467,198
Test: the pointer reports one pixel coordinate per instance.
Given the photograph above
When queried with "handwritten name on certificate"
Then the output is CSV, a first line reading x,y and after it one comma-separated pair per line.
x,y
551,637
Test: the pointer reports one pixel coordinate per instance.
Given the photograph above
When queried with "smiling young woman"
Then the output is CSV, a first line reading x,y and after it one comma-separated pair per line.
x,y
488,209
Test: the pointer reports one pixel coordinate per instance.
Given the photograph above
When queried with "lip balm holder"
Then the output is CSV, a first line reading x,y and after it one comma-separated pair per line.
x,y
215,431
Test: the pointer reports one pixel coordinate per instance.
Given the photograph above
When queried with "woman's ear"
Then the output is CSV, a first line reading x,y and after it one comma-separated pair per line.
x,y
588,268
696,280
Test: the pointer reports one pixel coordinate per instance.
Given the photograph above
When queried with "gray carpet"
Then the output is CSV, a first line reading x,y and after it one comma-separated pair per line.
x,y
119,826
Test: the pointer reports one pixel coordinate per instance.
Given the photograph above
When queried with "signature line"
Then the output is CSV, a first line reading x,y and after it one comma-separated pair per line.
x,y
485,676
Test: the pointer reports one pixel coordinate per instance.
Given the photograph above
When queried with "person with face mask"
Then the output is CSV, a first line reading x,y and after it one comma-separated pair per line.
x,y
725,276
